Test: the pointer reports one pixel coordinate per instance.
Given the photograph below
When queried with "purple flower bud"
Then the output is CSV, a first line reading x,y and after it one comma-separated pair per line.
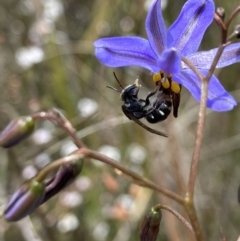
x,y
65,176
16,131
150,225
24,201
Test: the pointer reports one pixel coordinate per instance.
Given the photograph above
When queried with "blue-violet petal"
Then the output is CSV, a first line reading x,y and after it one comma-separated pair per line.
x,y
218,97
231,55
126,51
156,29
187,31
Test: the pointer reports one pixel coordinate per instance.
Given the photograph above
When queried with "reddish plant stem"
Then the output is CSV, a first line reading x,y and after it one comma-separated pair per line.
x,y
176,214
56,117
198,141
189,203
141,180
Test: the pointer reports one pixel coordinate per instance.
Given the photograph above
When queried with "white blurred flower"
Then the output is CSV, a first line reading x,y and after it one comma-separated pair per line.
x,y
29,172
101,231
67,148
42,160
109,151
27,56
83,183
52,9
137,153
71,199
126,201
42,136
87,107
67,223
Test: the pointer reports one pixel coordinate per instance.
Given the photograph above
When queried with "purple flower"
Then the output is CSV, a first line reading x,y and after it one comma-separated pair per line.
x,y
163,49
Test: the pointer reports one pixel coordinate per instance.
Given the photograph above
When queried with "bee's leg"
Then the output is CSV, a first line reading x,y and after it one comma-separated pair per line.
x,y
150,95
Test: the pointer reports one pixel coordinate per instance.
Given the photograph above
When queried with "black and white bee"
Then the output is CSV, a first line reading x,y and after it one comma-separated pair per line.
x,y
155,108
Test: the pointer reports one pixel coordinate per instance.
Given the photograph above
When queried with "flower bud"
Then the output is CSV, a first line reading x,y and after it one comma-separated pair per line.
x,y
16,131
237,30
150,225
24,201
221,12
65,176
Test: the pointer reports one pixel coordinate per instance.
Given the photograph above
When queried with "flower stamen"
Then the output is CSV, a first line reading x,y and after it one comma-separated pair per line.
x,y
175,87
166,81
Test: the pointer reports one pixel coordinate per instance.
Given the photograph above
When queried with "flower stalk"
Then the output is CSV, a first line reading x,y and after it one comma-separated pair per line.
x,y
176,214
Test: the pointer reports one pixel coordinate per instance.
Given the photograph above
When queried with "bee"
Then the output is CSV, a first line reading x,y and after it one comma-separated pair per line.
x,y
159,108
155,108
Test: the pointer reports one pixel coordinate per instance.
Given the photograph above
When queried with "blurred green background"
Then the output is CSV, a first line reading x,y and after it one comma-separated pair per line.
x,y
47,60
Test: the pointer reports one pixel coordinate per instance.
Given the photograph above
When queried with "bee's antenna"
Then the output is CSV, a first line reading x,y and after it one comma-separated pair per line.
x,y
110,87
117,80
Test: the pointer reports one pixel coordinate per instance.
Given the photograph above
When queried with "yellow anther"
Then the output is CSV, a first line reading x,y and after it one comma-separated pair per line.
x,y
157,77
165,84
175,87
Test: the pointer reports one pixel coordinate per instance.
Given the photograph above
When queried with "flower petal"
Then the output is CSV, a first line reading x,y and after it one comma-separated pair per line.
x,y
218,97
126,51
231,55
187,31
156,29
170,61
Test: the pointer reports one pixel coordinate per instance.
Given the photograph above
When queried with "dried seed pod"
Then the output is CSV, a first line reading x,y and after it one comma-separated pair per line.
x,y
16,131
150,225
24,201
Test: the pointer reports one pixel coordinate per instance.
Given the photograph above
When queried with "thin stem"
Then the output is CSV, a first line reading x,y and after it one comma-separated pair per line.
x,y
215,61
142,181
176,214
232,16
193,67
189,205
62,122
56,117
219,21
198,141
201,121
